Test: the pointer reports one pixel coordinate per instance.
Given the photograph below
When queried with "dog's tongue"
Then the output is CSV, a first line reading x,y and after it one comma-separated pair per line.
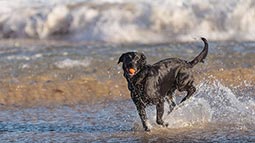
x,y
131,71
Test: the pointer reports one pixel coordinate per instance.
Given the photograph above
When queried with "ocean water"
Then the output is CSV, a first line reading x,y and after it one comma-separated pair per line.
x,y
120,21
69,92
60,81
214,114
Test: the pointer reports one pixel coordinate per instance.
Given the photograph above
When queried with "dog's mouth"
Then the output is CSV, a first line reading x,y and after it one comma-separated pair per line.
x,y
131,71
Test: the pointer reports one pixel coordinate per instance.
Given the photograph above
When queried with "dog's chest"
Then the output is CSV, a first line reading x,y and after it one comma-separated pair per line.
x,y
138,92
140,95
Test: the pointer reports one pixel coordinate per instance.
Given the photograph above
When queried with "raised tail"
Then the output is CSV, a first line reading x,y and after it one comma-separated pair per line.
x,y
202,55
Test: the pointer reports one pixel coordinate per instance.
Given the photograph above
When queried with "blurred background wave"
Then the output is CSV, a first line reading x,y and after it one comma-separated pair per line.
x,y
121,21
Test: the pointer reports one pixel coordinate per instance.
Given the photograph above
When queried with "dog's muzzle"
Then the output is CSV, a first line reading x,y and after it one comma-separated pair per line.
x,y
131,71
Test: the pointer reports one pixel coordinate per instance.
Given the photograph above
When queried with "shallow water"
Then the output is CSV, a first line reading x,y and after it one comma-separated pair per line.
x,y
75,92
215,114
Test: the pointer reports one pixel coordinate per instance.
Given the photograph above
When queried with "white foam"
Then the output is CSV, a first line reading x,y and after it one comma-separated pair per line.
x,y
128,21
24,57
69,63
213,103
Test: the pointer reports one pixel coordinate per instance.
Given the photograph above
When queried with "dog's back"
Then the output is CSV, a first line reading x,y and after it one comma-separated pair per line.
x,y
174,73
163,75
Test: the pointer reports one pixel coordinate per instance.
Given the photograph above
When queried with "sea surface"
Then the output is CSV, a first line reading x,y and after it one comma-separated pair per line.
x,y
53,91
60,81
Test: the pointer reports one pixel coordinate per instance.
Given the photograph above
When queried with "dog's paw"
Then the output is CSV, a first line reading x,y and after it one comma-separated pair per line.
x,y
162,123
147,126
147,129
165,125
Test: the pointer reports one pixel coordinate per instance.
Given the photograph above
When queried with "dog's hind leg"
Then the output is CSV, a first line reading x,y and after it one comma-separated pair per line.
x,y
160,112
190,91
185,83
170,101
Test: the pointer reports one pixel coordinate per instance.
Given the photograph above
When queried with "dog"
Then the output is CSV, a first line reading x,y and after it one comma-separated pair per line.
x,y
155,84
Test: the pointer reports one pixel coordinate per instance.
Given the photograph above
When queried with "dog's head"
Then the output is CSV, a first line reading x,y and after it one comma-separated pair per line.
x,y
132,62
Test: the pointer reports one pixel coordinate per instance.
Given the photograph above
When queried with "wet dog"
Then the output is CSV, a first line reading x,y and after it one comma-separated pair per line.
x,y
154,84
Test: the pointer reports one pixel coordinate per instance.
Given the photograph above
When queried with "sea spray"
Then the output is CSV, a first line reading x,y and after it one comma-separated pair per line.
x,y
227,107
212,103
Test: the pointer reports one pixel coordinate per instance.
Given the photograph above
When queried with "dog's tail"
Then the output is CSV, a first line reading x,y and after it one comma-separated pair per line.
x,y
202,55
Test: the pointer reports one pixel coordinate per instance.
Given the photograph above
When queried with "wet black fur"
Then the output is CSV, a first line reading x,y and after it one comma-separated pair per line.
x,y
153,84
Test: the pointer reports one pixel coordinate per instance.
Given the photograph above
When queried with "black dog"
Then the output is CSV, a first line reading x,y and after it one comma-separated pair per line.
x,y
153,84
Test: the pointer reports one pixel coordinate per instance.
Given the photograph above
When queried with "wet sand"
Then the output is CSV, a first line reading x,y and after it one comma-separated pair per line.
x,y
44,90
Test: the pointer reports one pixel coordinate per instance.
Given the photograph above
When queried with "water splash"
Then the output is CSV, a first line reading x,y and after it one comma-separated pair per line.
x,y
213,103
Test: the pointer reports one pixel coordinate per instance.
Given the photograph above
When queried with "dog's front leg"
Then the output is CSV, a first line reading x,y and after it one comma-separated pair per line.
x,y
143,117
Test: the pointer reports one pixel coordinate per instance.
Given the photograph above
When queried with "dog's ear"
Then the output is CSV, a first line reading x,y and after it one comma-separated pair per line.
x,y
121,58
143,59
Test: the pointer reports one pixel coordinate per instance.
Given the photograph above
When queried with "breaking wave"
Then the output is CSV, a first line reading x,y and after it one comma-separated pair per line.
x,y
128,21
